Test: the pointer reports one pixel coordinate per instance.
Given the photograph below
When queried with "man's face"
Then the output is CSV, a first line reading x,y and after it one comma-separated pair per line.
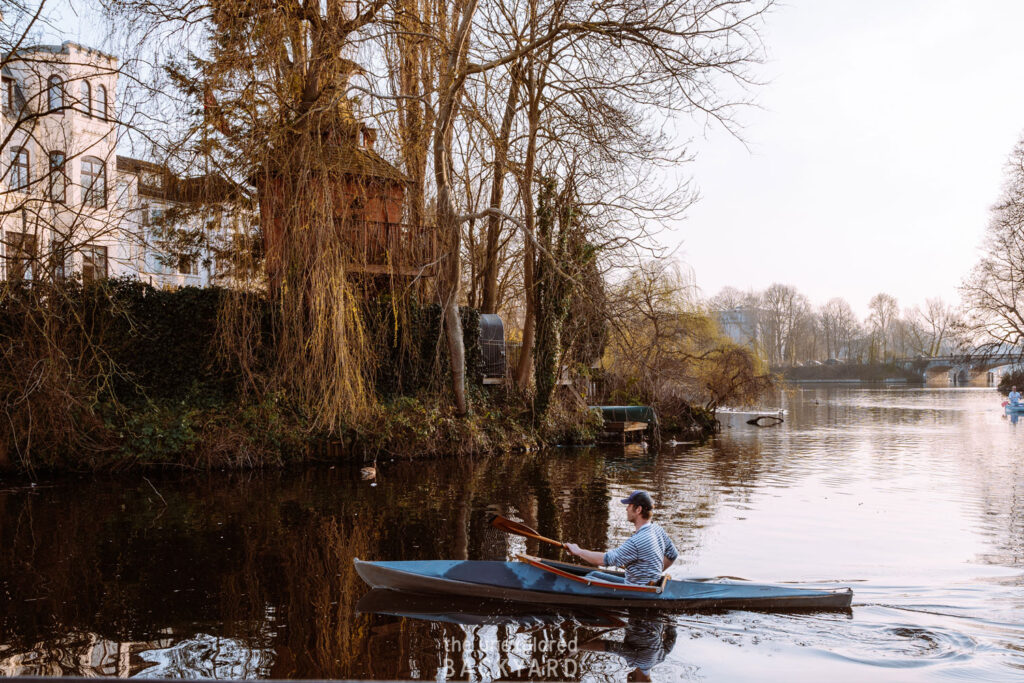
x,y
631,512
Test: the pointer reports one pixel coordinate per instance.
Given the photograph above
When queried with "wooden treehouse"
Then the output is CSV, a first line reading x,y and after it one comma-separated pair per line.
x,y
365,196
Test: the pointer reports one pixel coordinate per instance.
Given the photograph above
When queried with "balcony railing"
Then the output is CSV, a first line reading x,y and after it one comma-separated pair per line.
x,y
391,248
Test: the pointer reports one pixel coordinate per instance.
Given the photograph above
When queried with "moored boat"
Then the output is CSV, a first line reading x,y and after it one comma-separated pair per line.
x,y
534,580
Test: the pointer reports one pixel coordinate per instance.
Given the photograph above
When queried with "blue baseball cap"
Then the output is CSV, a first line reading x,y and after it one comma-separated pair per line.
x,y
640,498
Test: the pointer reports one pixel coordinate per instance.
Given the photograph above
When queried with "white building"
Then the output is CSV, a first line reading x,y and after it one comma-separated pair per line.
x,y
740,324
69,205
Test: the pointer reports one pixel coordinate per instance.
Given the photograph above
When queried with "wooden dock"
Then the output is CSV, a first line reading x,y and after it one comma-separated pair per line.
x,y
622,431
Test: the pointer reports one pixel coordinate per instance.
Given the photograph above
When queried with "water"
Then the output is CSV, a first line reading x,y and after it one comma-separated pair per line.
x,y
913,497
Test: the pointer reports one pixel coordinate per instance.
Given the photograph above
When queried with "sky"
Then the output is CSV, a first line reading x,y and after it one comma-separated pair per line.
x,y
877,147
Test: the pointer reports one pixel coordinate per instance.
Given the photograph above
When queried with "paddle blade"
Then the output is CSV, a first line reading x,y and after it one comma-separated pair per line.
x,y
499,522
508,526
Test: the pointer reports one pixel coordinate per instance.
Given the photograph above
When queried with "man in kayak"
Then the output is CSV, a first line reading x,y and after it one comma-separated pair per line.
x,y
645,554
1014,396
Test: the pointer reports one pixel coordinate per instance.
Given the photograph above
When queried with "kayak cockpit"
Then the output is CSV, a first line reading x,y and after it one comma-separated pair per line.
x,y
575,572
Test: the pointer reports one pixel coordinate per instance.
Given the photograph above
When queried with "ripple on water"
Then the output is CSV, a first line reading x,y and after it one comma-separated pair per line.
x,y
889,645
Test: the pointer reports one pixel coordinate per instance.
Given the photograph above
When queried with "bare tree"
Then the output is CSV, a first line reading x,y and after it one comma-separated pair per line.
x,y
994,291
783,310
932,328
885,312
839,327
574,84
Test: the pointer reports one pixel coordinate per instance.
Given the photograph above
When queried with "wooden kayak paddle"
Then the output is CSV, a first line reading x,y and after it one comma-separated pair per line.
x,y
507,525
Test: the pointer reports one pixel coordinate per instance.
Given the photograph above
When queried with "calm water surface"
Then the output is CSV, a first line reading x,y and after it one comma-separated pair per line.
x,y
914,497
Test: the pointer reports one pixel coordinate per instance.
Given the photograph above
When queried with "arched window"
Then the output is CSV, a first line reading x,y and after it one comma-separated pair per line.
x,y
94,182
101,102
85,98
54,93
20,177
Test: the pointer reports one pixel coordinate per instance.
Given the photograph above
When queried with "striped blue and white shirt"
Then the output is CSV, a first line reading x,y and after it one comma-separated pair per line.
x,y
643,554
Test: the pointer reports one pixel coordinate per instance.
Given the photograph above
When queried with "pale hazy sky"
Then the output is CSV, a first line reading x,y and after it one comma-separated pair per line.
x,y
876,154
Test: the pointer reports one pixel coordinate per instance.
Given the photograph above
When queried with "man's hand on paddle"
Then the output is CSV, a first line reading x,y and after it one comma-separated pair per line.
x,y
589,556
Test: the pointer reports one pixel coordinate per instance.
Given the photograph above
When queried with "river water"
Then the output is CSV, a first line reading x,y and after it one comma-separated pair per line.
x,y
914,497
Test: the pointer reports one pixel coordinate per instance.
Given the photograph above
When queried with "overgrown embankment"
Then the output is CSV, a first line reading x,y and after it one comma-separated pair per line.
x,y
119,374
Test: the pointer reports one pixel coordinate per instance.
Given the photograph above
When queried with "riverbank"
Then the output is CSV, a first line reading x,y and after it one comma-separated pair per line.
x,y
120,375
853,373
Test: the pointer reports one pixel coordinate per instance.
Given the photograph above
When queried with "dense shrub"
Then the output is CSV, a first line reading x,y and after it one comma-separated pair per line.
x,y
119,372
407,342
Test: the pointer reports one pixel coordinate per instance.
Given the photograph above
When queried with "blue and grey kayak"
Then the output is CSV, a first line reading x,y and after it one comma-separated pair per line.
x,y
533,580
1014,409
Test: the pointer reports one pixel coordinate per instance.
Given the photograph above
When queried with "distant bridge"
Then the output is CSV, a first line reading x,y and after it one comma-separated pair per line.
x,y
961,368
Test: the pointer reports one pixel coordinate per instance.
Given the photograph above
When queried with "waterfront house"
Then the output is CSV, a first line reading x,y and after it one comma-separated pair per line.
x,y
70,206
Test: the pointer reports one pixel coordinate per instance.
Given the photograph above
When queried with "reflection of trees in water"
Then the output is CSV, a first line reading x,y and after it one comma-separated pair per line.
x,y
264,560
687,485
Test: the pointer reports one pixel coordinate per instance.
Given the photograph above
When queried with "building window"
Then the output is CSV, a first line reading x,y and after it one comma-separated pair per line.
x,y
55,94
19,168
94,263
20,250
101,102
94,182
60,255
85,98
188,265
58,177
14,99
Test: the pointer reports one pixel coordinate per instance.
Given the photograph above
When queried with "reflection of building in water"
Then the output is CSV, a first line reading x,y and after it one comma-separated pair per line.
x,y
86,655
91,655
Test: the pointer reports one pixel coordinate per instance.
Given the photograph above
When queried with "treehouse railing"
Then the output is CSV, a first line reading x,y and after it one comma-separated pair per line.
x,y
384,247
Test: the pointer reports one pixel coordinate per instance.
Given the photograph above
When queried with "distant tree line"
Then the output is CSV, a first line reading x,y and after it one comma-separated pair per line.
x,y
787,329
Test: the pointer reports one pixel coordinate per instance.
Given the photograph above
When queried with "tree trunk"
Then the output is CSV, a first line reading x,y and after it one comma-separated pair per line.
x,y
529,252
490,275
554,221
414,121
447,221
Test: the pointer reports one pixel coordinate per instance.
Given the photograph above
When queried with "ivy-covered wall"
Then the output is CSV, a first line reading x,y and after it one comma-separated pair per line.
x,y
161,343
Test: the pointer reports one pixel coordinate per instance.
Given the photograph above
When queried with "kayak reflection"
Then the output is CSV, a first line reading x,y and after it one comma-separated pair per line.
x,y
645,643
474,612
